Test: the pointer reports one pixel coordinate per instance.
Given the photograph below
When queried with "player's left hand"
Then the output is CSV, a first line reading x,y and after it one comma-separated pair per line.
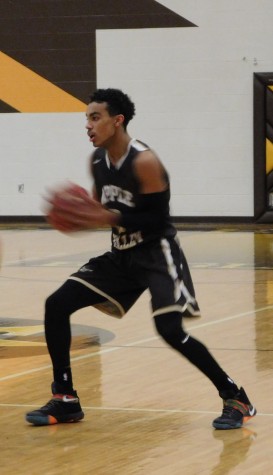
x,y
72,209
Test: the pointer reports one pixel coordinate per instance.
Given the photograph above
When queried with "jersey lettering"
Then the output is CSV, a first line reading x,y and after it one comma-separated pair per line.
x,y
115,193
125,241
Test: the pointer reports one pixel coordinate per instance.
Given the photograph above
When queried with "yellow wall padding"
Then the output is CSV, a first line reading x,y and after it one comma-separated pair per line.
x,y
26,91
269,156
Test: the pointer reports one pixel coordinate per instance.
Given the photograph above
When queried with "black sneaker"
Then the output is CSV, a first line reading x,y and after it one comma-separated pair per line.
x,y
236,411
61,408
192,310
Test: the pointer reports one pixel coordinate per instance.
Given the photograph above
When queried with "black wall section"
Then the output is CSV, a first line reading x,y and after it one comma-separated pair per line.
x,y
263,120
6,107
56,38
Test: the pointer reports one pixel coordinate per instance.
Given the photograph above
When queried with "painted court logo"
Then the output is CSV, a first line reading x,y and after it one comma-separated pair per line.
x,y
21,338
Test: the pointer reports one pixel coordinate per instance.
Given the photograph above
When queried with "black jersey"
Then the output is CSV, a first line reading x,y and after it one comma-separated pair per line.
x,y
118,189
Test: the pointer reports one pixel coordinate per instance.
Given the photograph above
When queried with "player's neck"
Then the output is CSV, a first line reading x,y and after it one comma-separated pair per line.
x,y
118,148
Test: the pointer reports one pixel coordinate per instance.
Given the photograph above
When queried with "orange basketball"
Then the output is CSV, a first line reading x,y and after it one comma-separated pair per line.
x,y
57,214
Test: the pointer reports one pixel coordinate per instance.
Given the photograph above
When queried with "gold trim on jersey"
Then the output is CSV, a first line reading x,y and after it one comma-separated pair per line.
x,y
170,308
110,307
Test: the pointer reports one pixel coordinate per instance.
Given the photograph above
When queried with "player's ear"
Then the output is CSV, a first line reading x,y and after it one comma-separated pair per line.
x,y
119,119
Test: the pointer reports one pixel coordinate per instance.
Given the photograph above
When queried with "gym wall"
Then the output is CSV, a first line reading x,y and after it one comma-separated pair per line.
x,y
188,66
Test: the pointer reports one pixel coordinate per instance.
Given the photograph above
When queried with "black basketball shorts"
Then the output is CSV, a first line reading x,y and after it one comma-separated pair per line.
x,y
120,277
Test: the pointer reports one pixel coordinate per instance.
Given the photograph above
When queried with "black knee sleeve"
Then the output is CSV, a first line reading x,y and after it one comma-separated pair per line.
x,y
52,304
69,298
169,326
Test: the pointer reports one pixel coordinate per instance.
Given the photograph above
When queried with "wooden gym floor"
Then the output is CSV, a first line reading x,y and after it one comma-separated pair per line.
x,y
147,411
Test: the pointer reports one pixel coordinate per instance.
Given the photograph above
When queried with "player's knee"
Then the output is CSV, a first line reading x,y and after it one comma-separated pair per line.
x,y
55,305
51,304
169,326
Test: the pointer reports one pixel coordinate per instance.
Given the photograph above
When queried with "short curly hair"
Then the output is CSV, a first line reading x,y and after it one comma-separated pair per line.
x,y
117,103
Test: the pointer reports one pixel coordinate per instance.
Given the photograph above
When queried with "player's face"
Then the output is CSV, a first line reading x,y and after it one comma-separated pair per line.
x,y
101,127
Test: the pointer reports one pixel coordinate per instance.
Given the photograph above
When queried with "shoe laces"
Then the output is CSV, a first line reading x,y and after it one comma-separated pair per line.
x,y
56,399
50,404
234,409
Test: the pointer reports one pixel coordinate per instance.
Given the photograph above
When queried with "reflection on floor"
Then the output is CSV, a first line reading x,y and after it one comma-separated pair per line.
x,y
147,411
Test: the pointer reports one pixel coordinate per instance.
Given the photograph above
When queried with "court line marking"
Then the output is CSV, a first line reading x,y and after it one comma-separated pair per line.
x,y
139,342
136,409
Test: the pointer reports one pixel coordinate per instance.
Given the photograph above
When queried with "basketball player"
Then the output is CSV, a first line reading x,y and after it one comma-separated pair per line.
x,y
131,194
